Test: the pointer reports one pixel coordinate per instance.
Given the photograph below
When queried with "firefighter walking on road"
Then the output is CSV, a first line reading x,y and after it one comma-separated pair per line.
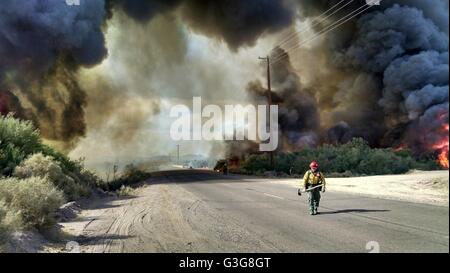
x,y
313,178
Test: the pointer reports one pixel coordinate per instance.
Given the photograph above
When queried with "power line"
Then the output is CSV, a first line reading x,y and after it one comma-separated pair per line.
x,y
289,37
302,30
326,30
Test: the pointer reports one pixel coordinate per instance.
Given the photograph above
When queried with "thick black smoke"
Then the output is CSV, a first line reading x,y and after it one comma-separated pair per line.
x,y
141,10
42,43
298,119
395,57
418,85
409,53
34,33
403,46
382,37
238,23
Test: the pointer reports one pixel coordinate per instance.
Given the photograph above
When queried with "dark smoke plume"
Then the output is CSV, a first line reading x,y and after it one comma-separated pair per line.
x,y
382,37
42,43
384,75
238,23
141,10
409,52
402,47
299,121
386,79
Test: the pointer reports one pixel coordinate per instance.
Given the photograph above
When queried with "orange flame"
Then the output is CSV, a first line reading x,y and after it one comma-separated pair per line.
x,y
443,158
401,147
442,147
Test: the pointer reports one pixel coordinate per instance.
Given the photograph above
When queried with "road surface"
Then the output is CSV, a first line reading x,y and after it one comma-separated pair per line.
x,y
199,211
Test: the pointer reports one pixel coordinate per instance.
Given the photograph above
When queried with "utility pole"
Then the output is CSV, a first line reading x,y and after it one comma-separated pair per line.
x,y
269,100
178,154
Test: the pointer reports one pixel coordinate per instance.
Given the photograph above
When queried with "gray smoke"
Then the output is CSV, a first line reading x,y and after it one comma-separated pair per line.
x,y
403,46
383,36
386,70
34,34
141,10
414,83
298,119
420,100
42,43
238,23
411,53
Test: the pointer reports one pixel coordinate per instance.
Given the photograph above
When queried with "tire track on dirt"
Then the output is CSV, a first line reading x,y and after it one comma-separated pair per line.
x,y
165,217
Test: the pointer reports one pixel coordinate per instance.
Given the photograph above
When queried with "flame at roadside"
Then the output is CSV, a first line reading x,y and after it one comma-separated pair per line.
x,y
442,148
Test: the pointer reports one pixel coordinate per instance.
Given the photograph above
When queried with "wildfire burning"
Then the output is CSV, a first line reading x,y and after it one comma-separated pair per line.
x,y
382,76
442,148
401,147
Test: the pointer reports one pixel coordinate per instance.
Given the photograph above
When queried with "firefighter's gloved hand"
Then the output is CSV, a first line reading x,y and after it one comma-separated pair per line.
x,y
323,189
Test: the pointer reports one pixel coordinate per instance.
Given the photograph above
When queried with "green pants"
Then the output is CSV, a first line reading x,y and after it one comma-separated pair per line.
x,y
314,199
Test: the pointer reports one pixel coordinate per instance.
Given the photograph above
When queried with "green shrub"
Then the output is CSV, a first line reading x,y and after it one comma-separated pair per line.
x,y
352,158
38,165
33,200
255,163
65,162
18,139
40,178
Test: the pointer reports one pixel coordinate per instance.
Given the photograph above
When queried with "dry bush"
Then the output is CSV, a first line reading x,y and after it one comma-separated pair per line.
x,y
29,203
38,165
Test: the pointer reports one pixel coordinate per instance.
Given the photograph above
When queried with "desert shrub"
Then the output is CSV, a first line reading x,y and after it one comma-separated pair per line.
x,y
18,139
353,158
40,178
125,191
256,163
130,176
4,225
38,165
64,161
9,221
33,200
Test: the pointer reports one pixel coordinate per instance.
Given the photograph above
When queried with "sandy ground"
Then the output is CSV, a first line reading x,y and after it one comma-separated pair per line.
x,y
428,187
134,224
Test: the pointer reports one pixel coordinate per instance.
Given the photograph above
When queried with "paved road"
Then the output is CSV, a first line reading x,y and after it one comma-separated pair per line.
x,y
192,211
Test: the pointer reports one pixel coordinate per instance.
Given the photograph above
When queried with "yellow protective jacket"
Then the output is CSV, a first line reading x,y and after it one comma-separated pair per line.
x,y
313,179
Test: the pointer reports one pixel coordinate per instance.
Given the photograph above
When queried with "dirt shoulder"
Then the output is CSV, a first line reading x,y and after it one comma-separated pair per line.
x,y
428,187
134,224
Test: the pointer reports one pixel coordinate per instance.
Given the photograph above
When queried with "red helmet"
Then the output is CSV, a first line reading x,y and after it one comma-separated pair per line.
x,y
314,164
